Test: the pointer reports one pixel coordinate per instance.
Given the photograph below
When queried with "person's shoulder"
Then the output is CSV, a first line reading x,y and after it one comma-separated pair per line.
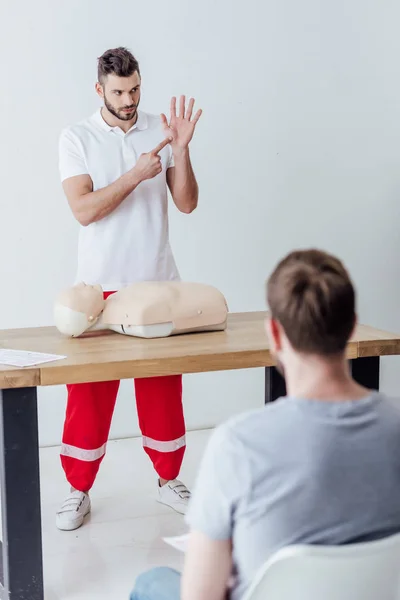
x,y
245,424
151,117
80,129
388,403
152,121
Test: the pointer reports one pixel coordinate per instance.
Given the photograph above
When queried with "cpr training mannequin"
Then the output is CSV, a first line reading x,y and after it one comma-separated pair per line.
x,y
147,309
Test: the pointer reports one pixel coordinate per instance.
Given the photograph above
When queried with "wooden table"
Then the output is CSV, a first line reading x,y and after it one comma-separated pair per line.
x,y
102,357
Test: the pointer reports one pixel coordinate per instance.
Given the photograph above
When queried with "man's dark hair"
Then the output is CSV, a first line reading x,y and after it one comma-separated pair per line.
x,y
311,295
117,61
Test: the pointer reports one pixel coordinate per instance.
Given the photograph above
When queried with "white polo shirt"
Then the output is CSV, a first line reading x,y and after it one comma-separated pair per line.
x,y
131,243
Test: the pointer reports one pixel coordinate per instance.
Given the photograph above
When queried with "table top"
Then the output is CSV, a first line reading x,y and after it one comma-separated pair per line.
x,y
102,356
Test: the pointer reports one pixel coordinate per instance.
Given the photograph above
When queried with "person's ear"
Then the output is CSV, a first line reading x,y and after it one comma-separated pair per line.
x,y
354,325
99,90
274,334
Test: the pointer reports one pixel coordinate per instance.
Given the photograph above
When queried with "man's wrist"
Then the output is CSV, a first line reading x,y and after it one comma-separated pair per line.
x,y
180,153
134,177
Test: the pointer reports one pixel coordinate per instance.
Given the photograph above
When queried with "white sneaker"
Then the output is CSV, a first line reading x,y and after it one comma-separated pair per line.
x,y
174,494
73,511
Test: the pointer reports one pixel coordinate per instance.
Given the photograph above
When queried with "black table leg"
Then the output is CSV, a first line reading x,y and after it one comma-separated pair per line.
x,y
21,574
366,371
275,386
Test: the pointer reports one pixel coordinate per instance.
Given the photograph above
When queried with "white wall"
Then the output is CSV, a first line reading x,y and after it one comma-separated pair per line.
x,y
299,145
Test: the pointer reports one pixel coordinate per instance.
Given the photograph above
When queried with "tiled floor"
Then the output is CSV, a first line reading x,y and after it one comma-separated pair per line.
x,y
124,534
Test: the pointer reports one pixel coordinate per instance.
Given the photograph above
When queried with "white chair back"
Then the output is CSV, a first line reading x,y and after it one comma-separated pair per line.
x,y
365,571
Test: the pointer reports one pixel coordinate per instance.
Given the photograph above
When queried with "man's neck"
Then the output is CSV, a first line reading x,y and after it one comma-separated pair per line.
x,y
316,378
113,121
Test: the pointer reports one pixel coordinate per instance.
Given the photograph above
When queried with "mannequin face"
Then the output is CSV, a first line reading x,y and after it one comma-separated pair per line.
x,y
84,299
87,299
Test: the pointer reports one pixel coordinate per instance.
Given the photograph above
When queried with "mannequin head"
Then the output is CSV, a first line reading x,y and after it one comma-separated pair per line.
x,y
78,308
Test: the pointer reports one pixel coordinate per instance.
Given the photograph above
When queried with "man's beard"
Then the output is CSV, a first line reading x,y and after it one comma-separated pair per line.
x,y
118,112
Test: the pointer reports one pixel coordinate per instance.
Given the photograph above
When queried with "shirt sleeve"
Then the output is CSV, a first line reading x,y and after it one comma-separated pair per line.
x,y
221,483
71,159
171,162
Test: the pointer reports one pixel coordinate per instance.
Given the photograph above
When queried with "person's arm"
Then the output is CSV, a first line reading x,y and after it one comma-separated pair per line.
x,y
180,177
222,483
88,206
182,183
208,565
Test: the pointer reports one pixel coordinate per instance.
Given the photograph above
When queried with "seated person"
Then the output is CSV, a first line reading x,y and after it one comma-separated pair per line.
x,y
319,466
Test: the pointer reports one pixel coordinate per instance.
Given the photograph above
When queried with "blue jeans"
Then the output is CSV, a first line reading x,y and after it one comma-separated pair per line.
x,y
160,583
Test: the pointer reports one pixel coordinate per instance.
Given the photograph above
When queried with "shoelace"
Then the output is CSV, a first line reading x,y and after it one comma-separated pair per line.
x,y
180,490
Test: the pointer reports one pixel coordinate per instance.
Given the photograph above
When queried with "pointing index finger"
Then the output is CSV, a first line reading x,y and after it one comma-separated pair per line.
x,y
161,145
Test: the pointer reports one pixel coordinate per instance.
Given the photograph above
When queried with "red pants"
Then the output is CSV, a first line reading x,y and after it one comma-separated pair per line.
x,y
88,418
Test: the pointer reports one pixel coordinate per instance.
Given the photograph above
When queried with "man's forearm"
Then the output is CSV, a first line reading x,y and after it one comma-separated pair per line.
x,y
94,206
185,189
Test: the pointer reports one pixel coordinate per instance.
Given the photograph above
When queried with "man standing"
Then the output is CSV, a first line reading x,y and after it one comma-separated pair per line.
x,y
115,169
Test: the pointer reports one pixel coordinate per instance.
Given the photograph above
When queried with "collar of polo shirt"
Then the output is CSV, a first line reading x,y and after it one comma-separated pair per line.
x,y
140,124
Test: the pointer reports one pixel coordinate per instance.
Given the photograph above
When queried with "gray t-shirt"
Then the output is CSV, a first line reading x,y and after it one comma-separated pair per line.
x,y
300,471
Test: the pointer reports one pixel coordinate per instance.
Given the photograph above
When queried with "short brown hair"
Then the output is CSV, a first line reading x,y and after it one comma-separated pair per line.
x,y
117,61
311,295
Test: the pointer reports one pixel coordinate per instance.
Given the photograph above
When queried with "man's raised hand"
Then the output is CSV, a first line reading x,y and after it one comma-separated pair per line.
x,y
180,127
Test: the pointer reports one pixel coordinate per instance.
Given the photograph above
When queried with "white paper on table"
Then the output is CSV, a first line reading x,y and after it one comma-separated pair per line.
x,y
179,542
24,358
